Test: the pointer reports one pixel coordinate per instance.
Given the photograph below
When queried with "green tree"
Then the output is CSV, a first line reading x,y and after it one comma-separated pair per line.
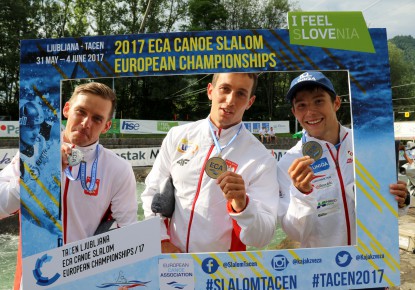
x,y
16,23
77,17
50,17
273,13
242,14
175,11
407,44
402,80
206,15
256,14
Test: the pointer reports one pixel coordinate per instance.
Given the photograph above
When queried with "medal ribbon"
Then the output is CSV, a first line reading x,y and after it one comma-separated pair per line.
x,y
303,139
82,173
215,140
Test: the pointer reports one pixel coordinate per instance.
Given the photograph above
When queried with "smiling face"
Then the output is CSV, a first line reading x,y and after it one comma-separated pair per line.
x,y
88,116
316,112
230,94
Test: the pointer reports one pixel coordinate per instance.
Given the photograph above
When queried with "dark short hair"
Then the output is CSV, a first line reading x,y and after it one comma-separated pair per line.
x,y
98,89
253,76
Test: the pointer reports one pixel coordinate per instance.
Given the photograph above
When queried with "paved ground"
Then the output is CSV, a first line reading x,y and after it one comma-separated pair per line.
x,y
407,258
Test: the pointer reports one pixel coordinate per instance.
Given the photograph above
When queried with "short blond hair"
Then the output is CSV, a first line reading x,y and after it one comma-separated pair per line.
x,y
98,89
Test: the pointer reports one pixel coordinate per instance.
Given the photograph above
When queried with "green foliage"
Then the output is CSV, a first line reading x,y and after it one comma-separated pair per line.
x,y
78,24
206,15
256,14
402,65
166,98
15,24
407,44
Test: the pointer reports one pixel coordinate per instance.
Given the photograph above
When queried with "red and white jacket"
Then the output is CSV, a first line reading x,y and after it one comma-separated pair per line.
x,y
326,216
114,193
203,221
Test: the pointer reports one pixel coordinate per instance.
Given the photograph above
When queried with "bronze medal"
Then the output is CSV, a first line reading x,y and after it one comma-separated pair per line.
x,y
75,157
215,166
312,149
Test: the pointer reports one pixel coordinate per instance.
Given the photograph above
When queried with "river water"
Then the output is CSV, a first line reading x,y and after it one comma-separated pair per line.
x,y
8,248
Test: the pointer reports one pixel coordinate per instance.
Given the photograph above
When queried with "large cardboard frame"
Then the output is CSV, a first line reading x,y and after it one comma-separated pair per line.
x,y
374,261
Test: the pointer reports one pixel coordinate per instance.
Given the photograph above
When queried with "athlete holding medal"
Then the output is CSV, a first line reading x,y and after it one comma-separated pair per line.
x,y
225,188
104,185
96,183
317,199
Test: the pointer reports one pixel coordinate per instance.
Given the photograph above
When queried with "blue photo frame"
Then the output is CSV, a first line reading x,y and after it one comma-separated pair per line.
x,y
373,262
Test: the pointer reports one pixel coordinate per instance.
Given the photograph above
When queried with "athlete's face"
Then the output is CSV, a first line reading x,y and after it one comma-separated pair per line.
x,y
316,113
28,134
88,117
230,98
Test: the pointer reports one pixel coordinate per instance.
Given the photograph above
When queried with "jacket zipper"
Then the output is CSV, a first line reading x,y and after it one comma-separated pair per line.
x,y
197,194
344,198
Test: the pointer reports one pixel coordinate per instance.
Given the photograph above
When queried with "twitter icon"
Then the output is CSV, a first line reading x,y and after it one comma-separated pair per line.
x,y
343,259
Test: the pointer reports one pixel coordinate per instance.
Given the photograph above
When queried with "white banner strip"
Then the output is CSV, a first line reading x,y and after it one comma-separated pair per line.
x,y
404,130
9,129
6,156
128,126
136,156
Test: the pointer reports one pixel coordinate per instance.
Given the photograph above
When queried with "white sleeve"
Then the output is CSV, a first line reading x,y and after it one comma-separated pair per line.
x,y
258,220
10,188
296,213
159,173
124,202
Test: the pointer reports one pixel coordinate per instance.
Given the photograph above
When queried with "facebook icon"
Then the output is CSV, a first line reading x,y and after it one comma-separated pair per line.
x,y
209,265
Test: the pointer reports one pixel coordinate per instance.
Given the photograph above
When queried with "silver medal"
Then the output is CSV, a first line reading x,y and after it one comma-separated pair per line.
x,y
75,157
312,149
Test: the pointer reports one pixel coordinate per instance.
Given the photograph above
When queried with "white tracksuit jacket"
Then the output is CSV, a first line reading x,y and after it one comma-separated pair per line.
x,y
203,221
326,216
114,191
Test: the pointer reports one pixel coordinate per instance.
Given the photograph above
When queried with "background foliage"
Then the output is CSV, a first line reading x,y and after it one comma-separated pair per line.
x,y
173,97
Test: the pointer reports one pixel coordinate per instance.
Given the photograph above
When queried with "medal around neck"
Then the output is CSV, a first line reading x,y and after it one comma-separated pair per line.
x,y
215,166
312,149
75,157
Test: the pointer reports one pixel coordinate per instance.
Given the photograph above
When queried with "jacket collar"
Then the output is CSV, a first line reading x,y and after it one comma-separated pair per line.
x,y
224,134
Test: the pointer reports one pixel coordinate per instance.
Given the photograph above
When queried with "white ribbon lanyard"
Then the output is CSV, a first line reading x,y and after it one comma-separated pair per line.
x,y
82,173
215,140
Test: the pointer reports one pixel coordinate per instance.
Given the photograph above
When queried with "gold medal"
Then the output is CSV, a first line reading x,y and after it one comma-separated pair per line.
x,y
215,166
75,157
312,149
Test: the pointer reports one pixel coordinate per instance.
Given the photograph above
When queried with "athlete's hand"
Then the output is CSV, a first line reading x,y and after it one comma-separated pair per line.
x,y
233,188
65,151
301,173
400,192
168,247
